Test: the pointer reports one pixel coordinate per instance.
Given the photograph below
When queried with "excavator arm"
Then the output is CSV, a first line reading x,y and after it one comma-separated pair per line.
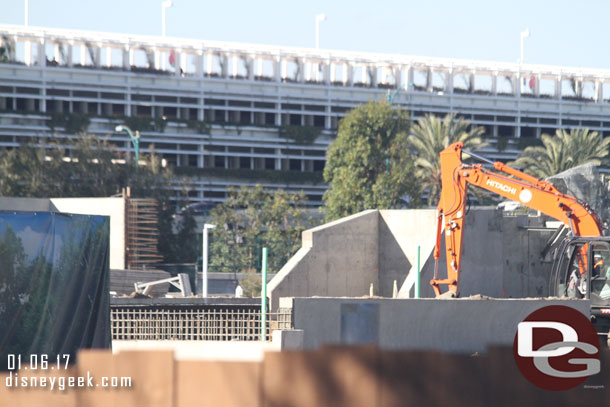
x,y
515,185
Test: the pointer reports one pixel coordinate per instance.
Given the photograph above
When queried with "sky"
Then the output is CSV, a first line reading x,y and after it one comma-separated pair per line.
x,y
565,33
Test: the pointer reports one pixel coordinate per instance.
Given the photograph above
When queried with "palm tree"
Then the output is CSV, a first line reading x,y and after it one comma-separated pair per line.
x,y
563,151
431,135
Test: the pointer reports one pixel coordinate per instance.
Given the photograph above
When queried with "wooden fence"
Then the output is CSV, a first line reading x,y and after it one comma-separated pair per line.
x,y
332,376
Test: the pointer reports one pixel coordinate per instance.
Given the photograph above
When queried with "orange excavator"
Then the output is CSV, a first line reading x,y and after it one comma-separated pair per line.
x,y
581,266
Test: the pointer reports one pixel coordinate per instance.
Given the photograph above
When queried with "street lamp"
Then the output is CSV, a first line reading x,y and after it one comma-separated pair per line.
x,y
204,266
319,18
135,140
524,34
166,4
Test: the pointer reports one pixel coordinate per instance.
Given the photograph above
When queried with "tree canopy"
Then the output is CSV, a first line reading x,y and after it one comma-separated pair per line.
x,y
369,166
430,136
80,168
565,150
250,219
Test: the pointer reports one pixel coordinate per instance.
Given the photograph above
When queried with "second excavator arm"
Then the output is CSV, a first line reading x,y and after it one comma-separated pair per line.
x,y
515,185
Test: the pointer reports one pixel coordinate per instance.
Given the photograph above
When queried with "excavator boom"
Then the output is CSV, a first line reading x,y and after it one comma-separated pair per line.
x,y
515,185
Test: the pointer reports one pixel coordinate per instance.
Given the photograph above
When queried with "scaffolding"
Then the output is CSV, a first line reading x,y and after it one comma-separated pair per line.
x,y
142,232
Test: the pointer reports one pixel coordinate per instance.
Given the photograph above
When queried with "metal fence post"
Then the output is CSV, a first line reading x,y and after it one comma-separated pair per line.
x,y
264,296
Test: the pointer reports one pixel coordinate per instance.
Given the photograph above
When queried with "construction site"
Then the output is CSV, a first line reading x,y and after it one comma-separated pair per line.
x,y
350,319
493,290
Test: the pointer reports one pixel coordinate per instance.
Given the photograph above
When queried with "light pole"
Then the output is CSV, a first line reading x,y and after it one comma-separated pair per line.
x,y
204,266
166,4
524,34
135,140
319,18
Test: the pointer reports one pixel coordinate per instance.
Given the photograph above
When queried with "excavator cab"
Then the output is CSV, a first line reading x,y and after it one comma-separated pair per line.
x,y
582,270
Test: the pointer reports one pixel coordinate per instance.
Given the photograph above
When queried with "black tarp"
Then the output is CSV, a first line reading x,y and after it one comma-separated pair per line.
x,y
54,284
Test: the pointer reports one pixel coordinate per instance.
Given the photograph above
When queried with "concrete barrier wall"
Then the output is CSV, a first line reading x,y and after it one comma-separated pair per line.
x,y
501,256
401,232
452,325
337,259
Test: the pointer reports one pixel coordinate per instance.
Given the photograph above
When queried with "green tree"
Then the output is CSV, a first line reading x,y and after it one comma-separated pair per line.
x,y
563,151
369,165
252,218
43,171
431,135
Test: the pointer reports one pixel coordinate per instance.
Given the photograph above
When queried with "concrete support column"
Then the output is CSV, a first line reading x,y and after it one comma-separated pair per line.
x,y
250,62
276,69
259,67
284,68
224,66
372,73
209,66
429,80
301,70
494,84
83,54
130,58
57,52
98,57
537,85
558,87
27,53
348,75
43,100
128,106
183,59
70,51
326,72
516,81
307,71
278,160
42,60
234,65
157,59
108,57
278,114
599,91
328,118
472,81
409,78
333,72
396,76
199,65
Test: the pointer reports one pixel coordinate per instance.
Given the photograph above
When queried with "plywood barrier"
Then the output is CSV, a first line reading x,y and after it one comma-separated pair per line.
x,y
332,376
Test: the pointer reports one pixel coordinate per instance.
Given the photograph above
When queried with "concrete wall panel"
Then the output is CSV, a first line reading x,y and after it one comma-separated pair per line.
x,y
337,259
454,325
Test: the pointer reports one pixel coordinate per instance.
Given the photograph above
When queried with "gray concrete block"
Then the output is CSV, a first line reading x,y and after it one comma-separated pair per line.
x,y
457,325
288,339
